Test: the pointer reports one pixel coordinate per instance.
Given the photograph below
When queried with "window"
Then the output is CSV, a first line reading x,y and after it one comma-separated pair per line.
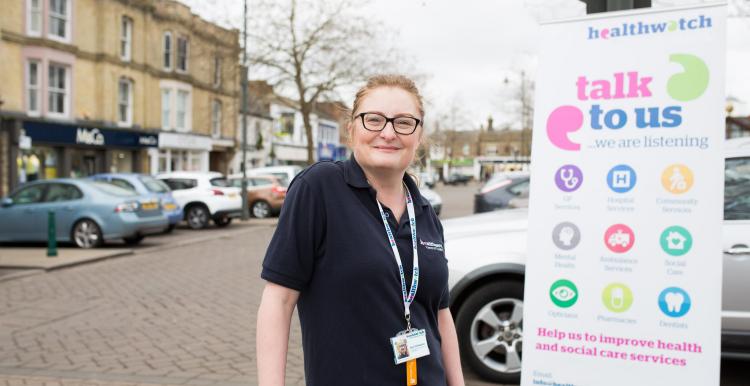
x,y
62,192
217,71
34,17
125,102
737,189
58,19
180,183
58,90
168,51
32,87
287,124
123,184
181,111
182,54
220,182
216,118
153,185
126,38
29,195
166,101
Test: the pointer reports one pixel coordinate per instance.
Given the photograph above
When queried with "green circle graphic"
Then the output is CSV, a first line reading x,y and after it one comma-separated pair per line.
x,y
676,241
617,297
563,293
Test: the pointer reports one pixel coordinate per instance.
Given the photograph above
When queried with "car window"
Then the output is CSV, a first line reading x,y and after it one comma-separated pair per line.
x,y
29,195
283,179
220,182
520,189
262,182
737,189
122,184
180,183
62,192
153,185
109,188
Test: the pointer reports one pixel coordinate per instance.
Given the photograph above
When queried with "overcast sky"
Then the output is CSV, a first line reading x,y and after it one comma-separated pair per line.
x,y
468,48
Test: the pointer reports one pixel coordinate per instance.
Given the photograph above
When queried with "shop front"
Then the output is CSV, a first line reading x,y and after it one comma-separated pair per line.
x,y
180,152
53,150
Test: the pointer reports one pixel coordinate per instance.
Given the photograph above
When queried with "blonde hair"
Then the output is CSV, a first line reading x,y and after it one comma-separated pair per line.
x,y
389,80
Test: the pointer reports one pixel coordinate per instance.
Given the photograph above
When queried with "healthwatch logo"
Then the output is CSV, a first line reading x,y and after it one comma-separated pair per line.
x,y
685,86
641,28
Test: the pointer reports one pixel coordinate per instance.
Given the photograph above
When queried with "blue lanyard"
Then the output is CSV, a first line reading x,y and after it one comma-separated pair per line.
x,y
408,298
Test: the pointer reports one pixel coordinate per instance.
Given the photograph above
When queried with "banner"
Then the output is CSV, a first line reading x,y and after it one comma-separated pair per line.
x,y
623,280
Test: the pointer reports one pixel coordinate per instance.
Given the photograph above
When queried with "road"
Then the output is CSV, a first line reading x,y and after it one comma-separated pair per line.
x,y
180,311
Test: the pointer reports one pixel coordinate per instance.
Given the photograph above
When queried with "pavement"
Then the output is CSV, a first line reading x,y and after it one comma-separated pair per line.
x,y
36,257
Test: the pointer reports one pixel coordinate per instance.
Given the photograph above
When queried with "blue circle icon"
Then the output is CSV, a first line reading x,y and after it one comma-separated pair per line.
x,y
674,302
621,178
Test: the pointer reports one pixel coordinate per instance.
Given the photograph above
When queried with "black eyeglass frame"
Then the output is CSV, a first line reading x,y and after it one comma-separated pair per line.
x,y
361,116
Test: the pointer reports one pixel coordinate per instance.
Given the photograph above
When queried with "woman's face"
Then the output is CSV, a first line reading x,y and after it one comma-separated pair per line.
x,y
385,150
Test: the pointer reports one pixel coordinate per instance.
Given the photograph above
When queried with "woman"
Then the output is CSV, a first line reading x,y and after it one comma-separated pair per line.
x,y
332,257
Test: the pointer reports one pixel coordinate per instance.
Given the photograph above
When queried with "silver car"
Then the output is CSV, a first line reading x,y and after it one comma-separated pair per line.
x,y
487,255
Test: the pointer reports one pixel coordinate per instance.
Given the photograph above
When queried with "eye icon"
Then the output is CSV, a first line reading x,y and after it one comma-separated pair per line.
x,y
563,293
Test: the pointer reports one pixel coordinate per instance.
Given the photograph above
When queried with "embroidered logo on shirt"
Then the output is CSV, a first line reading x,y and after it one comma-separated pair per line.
x,y
431,246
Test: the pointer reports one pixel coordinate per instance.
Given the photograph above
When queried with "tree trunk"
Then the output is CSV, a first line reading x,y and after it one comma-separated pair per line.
x,y
308,133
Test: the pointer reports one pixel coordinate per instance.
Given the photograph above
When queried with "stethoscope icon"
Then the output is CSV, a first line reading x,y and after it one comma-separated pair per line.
x,y
568,177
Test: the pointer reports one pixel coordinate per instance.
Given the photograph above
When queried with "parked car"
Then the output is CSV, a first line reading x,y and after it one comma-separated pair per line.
x,y
456,179
265,194
87,213
203,197
430,195
285,174
499,190
146,185
428,179
487,255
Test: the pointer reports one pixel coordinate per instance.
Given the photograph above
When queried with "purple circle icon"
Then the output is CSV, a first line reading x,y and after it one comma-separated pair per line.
x,y
568,178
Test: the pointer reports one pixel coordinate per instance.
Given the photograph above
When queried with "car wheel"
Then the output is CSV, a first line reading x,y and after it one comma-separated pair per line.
x,y
221,222
490,331
261,209
197,216
133,240
87,234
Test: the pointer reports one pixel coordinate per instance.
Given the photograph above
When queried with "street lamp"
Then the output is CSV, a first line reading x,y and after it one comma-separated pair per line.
x,y
243,193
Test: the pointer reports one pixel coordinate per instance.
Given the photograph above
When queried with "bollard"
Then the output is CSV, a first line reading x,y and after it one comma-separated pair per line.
x,y
51,235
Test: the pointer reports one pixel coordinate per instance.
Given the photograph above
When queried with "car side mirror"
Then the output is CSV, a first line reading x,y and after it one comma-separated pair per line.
x,y
7,201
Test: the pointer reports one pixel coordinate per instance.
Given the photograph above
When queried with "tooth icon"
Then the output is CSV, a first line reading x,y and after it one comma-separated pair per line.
x,y
674,301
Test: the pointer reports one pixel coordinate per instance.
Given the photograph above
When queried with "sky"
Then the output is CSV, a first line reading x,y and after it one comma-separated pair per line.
x,y
467,49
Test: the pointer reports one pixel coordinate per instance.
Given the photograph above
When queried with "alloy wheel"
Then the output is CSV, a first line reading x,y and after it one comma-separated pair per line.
x,y
497,335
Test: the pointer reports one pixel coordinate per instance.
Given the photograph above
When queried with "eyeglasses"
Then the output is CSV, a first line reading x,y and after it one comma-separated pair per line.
x,y
377,122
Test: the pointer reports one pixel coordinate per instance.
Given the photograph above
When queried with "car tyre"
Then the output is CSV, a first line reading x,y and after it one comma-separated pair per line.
x,y
223,221
261,209
197,216
490,331
86,233
133,240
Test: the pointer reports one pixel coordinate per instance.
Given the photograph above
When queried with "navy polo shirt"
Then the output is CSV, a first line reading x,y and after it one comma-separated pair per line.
x,y
330,244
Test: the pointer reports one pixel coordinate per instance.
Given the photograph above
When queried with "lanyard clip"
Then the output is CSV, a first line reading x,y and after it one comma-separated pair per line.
x,y
408,321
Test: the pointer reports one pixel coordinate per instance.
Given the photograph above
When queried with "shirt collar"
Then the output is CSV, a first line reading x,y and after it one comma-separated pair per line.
x,y
355,177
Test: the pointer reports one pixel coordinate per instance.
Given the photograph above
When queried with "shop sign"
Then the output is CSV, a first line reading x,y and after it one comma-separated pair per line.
x,y
89,136
63,134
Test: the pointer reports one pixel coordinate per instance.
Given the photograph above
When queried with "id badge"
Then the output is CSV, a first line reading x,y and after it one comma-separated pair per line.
x,y
409,345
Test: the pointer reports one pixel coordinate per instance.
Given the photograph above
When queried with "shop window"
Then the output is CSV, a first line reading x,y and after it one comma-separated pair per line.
x,y
121,162
32,87
286,123
167,60
62,192
182,54
36,164
59,20
34,17
216,118
58,90
125,102
29,195
217,70
181,110
126,38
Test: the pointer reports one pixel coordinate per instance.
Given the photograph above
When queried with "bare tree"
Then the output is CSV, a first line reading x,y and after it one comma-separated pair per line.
x,y
313,48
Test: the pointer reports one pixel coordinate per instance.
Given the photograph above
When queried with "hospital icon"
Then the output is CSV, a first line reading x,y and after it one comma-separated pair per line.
x,y
674,302
677,179
621,178
568,178
566,235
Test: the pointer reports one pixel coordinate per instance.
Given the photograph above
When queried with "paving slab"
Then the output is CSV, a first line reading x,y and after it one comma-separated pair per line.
x,y
36,257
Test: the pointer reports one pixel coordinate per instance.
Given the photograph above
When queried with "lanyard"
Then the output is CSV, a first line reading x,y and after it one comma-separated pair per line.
x,y
408,298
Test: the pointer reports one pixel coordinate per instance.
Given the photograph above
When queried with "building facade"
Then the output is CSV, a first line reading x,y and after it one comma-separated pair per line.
x,y
92,86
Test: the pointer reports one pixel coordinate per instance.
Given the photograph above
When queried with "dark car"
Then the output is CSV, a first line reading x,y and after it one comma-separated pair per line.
x,y
500,190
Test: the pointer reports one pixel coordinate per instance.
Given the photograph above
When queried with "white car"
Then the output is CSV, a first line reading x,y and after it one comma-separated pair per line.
x,y
204,197
487,255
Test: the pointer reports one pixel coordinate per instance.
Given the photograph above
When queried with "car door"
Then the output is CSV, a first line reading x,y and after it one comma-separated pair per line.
x,y
66,200
24,219
736,245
